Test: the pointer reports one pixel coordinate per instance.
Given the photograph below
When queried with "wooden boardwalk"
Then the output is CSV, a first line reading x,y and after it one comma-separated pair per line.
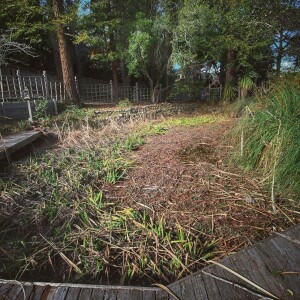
x,y
272,268
14,142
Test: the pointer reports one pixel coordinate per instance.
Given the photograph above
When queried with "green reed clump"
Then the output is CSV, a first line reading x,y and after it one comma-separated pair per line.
x,y
106,242
269,138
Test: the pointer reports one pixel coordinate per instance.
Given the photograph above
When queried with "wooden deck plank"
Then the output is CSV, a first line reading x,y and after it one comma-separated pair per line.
x,y
85,294
73,293
110,294
12,143
124,294
28,288
257,264
282,263
226,286
176,289
37,292
14,291
98,294
212,289
199,287
149,295
162,295
136,295
59,293
187,289
4,289
294,232
276,264
244,290
290,251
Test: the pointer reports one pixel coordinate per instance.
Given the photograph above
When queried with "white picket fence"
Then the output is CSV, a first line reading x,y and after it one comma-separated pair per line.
x,y
19,88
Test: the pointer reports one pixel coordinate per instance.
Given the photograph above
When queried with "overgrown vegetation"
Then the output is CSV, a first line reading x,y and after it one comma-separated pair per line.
x,y
269,135
56,221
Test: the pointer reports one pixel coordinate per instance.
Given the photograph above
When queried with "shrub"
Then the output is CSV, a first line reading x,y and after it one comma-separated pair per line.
x,y
124,103
40,108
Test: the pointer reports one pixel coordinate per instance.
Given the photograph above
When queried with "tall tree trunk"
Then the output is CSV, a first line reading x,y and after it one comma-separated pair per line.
x,y
56,55
114,65
78,61
229,77
279,53
124,73
65,57
230,66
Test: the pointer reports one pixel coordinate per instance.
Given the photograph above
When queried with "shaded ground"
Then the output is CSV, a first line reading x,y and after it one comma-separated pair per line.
x,y
183,176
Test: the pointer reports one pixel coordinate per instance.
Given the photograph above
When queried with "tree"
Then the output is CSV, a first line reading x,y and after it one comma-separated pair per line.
x,y
9,47
64,51
149,48
222,34
282,22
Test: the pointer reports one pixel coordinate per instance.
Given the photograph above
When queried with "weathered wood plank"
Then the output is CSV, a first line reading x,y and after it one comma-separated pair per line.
x,y
14,291
60,293
28,288
149,295
110,294
13,143
287,249
211,287
85,294
73,293
187,289
37,292
176,289
48,292
199,287
135,295
124,294
4,289
280,263
162,295
227,286
98,294
257,265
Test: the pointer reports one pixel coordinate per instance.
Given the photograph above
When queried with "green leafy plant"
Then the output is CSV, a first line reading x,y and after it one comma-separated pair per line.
x,y
133,142
124,103
40,108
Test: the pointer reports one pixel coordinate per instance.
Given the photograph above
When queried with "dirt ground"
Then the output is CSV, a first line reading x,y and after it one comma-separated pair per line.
x,y
184,176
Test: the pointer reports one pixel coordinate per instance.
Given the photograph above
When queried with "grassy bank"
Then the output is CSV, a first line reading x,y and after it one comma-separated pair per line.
x,y
268,138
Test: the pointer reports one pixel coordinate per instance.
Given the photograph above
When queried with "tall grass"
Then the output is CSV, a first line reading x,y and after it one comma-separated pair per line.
x,y
270,138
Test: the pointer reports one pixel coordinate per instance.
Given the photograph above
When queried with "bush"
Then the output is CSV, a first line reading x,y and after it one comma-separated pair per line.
x,y
40,108
124,103
270,138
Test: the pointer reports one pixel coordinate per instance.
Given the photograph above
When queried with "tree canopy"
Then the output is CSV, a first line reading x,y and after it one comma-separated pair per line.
x,y
243,41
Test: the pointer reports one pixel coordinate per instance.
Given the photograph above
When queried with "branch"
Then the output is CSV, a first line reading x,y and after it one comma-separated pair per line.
x,y
8,47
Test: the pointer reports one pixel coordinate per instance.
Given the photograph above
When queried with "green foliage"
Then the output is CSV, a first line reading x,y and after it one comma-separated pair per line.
x,y
140,46
162,127
41,105
123,103
230,92
270,138
187,88
133,142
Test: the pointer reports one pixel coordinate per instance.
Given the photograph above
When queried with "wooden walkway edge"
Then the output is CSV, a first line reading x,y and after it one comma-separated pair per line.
x,y
14,142
272,268
272,264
